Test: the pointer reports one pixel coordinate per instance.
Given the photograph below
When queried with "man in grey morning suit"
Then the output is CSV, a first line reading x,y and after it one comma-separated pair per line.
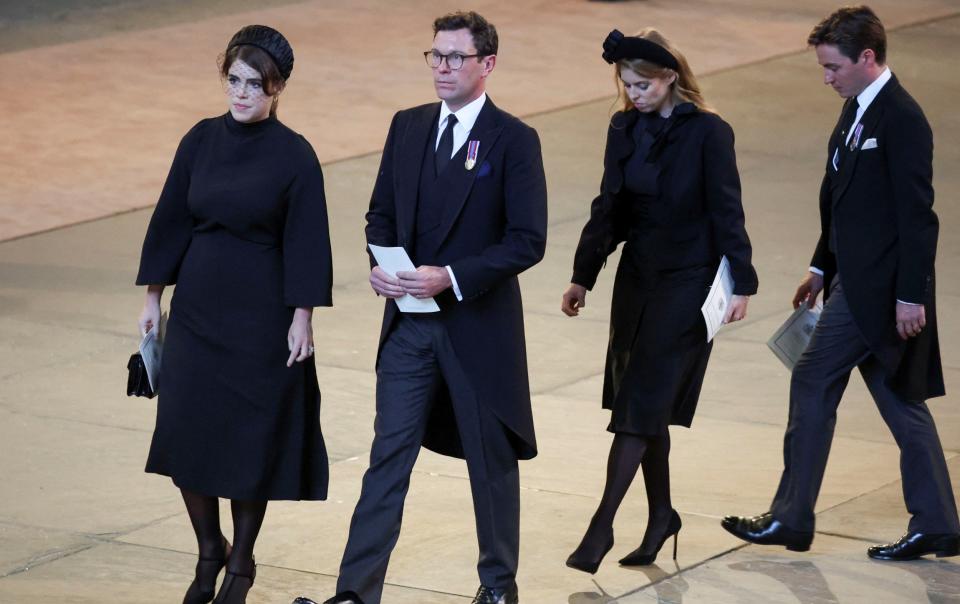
x,y
877,247
461,187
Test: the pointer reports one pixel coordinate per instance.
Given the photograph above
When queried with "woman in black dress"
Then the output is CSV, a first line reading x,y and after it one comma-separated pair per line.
x,y
671,191
241,229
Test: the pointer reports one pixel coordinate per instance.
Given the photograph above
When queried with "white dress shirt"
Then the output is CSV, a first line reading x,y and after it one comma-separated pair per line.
x,y
466,118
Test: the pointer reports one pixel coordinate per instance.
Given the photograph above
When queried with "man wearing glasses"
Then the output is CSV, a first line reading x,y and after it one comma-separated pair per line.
x,y
461,188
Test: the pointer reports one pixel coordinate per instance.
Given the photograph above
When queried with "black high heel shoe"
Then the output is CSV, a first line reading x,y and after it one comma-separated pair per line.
x,y
235,586
588,566
641,558
206,567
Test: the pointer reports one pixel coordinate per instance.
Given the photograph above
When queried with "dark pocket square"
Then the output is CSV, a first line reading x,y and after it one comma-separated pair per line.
x,y
485,170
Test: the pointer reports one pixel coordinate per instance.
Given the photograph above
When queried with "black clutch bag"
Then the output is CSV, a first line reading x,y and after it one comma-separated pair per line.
x,y
138,384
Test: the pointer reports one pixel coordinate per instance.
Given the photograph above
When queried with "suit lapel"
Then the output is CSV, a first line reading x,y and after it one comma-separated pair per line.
x,y
836,138
871,118
486,130
413,150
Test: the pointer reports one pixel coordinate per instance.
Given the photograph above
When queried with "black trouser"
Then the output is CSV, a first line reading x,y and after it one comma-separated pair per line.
x,y
416,360
816,387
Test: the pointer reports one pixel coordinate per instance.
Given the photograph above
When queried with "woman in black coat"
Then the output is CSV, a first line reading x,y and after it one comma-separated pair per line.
x,y
241,229
671,191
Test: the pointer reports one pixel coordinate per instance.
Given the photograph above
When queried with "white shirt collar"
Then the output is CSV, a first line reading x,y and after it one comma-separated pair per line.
x,y
870,92
466,115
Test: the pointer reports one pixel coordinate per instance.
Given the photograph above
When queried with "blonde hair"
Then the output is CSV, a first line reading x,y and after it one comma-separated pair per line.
x,y
684,88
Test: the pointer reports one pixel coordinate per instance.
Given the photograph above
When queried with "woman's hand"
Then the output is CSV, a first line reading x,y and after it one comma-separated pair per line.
x,y
150,315
737,309
574,299
300,336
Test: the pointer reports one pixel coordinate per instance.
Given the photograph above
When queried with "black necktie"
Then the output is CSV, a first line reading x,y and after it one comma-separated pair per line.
x,y
849,116
445,148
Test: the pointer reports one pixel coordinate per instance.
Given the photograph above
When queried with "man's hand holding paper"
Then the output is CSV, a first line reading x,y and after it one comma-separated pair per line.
x,y
425,282
808,290
412,288
384,284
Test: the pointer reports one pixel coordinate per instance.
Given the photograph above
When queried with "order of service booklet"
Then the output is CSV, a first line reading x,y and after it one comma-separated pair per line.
x,y
792,338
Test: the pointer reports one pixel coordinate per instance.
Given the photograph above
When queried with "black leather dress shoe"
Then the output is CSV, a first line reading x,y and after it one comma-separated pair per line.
x,y
490,595
766,530
346,597
914,545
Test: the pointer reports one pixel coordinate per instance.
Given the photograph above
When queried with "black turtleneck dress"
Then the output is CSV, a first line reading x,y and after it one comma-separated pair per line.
x,y
671,192
241,229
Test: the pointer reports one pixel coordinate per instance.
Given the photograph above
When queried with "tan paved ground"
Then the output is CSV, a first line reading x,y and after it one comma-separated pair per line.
x,y
80,522
90,124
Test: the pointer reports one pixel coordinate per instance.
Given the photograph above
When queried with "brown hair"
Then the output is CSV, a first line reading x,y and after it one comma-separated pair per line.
x,y
852,29
684,88
483,32
273,82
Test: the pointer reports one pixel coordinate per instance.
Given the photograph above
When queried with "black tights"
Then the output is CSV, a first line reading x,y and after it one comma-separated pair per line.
x,y
204,512
627,454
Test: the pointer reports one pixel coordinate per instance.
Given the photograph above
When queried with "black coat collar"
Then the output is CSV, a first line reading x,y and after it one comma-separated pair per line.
x,y
620,142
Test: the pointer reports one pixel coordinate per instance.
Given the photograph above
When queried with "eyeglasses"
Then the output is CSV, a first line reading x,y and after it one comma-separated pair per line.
x,y
454,59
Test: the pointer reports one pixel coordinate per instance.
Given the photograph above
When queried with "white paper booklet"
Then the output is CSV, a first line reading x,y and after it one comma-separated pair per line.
x,y
151,349
715,306
392,260
792,338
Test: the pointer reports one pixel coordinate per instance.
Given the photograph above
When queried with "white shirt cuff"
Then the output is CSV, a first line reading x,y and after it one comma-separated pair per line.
x,y
816,271
908,303
453,282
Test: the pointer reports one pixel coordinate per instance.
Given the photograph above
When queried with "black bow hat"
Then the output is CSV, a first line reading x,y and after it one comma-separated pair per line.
x,y
617,47
269,41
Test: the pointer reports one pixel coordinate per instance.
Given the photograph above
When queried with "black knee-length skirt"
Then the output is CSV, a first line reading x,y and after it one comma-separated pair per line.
x,y
658,350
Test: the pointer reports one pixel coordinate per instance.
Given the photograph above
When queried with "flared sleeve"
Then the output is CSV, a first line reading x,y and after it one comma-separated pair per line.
x,y
307,259
171,226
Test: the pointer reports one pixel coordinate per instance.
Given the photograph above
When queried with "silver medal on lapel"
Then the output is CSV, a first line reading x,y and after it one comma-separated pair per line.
x,y
473,148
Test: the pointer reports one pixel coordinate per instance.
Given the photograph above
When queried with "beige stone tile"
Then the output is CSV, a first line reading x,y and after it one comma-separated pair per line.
x,y
717,468
134,574
25,547
71,476
28,346
350,117
877,516
87,388
347,411
836,570
438,524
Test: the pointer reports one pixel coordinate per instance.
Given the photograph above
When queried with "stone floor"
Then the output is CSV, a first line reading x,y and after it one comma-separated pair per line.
x,y
89,127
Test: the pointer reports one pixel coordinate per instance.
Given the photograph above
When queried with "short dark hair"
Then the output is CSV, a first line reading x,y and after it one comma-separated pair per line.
x,y
852,29
483,32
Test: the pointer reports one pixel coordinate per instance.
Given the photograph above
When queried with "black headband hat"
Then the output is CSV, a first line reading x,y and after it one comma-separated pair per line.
x,y
269,41
618,47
